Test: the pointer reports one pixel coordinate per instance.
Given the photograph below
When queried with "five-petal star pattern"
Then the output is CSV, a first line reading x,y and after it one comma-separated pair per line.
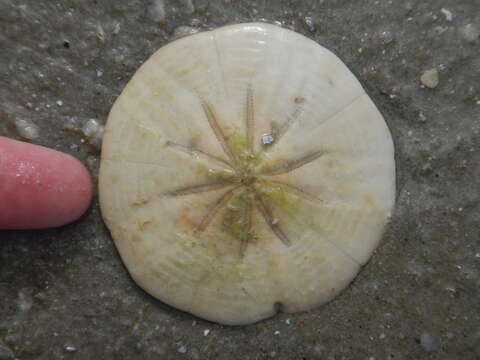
x,y
246,175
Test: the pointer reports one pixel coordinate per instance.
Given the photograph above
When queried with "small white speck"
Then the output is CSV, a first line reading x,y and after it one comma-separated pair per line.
x,y
267,139
99,73
448,14
59,102
275,221
206,332
182,349
450,288
70,348
287,321
276,332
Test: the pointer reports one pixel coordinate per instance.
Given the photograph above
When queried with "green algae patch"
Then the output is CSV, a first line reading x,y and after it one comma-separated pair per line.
x,y
291,208
245,158
279,198
216,253
222,176
217,175
236,220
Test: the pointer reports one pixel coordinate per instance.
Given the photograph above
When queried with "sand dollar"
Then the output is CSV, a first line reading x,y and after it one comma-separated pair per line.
x,y
245,171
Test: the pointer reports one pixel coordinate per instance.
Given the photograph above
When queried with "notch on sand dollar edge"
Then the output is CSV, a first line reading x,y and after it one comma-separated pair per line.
x,y
244,172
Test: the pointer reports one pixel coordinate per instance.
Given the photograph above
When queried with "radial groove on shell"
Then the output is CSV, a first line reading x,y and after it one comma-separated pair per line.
x,y
245,171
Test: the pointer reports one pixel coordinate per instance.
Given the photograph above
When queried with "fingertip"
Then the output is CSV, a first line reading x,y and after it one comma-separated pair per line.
x,y
40,187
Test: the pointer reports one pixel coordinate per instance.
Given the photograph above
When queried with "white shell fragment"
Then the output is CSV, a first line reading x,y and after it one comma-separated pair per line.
x,y
267,139
213,218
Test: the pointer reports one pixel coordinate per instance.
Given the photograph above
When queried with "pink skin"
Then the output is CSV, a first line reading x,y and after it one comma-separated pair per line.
x,y
40,187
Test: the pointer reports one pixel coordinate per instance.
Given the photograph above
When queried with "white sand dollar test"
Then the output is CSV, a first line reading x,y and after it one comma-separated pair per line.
x,y
245,171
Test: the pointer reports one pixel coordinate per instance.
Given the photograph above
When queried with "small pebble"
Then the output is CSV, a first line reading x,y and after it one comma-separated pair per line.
x,y
156,11
319,349
6,353
59,102
182,31
25,300
430,78
100,33
190,8
448,14
427,342
310,24
26,129
92,162
195,22
182,349
386,37
93,131
470,32
276,332
116,28
206,332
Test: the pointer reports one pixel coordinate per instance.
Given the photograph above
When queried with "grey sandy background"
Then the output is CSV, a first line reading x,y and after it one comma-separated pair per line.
x,y
64,293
